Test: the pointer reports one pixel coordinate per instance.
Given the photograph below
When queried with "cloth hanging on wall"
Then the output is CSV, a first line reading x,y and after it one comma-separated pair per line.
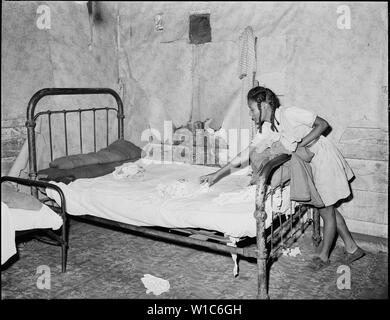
x,y
247,64
247,70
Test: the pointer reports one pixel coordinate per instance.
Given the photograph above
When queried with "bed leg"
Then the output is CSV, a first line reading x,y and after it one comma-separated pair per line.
x,y
260,216
64,257
64,245
316,227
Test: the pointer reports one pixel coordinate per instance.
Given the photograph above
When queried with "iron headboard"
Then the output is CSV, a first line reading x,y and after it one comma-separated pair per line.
x,y
32,117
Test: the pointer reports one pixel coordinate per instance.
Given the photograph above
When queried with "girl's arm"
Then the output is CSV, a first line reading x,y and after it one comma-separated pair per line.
x,y
241,159
319,126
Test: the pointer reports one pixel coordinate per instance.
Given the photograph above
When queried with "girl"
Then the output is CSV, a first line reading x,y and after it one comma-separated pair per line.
x,y
331,173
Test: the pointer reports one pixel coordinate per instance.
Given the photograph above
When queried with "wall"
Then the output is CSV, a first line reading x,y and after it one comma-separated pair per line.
x,y
33,59
302,55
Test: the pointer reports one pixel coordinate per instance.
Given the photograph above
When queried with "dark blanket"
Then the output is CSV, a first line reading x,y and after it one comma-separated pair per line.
x,y
68,175
120,150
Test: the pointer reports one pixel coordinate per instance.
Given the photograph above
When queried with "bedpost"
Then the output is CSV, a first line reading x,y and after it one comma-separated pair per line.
x,y
260,216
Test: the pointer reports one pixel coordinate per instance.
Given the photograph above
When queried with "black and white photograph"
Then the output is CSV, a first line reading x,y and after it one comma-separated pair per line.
x,y
194,156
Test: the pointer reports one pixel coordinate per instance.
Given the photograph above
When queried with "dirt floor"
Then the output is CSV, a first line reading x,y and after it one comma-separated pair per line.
x,y
109,264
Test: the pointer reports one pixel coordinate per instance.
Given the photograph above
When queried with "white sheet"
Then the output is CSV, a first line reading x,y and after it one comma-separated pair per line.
x,y
13,219
137,202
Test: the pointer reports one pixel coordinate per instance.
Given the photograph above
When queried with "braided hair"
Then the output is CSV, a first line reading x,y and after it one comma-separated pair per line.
x,y
261,94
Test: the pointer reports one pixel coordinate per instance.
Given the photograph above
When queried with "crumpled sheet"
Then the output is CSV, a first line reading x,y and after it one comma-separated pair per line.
x,y
155,285
128,170
248,194
181,188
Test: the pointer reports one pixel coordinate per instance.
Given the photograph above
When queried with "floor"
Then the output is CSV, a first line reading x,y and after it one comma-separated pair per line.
x,y
109,264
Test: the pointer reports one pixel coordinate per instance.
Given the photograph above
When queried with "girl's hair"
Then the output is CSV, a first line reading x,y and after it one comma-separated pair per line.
x,y
261,94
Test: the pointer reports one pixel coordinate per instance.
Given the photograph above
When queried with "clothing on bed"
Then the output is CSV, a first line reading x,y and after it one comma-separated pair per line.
x,y
119,150
302,188
181,188
16,219
297,171
8,246
15,199
331,172
259,159
128,170
68,175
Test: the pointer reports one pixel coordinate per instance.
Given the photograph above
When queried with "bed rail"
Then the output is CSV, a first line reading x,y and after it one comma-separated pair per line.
x,y
61,211
32,117
260,215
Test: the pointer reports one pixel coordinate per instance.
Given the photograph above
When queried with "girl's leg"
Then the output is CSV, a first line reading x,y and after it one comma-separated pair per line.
x,y
328,216
342,229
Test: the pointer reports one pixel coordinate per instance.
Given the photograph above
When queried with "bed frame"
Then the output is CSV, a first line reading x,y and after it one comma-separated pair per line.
x,y
284,235
51,238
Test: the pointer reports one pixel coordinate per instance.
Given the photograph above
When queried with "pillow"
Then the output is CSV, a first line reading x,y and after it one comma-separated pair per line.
x,y
129,150
61,163
119,150
107,156
19,200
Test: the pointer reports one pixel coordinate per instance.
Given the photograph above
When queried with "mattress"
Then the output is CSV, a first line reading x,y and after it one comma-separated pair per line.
x,y
227,206
13,219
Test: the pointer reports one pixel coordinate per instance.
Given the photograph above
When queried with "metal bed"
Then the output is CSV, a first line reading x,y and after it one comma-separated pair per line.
x,y
49,236
268,242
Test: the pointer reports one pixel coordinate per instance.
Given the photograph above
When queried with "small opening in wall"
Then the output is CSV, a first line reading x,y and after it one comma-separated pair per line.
x,y
200,28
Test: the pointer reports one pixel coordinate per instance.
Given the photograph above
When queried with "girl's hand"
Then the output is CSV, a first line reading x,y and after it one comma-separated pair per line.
x,y
209,178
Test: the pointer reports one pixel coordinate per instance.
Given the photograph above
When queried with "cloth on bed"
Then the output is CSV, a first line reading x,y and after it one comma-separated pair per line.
x,y
136,202
15,219
302,188
8,246
128,170
68,175
181,188
258,161
119,150
14,199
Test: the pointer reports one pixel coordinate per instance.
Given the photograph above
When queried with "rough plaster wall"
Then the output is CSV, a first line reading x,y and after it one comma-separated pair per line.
x,y
339,73
33,59
192,82
75,65
24,70
302,56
